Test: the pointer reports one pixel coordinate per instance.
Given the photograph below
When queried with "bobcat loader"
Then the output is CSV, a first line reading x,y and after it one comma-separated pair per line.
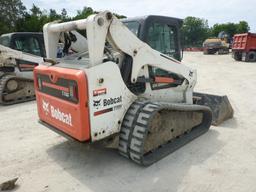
x,y
20,53
120,92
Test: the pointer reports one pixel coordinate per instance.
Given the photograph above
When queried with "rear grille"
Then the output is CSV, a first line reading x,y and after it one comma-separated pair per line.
x,y
65,89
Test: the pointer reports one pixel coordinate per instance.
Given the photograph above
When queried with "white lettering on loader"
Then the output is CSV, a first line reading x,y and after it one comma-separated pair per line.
x,y
56,113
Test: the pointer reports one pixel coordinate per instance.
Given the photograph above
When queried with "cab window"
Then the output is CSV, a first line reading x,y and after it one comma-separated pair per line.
x,y
28,45
133,26
5,41
162,38
163,79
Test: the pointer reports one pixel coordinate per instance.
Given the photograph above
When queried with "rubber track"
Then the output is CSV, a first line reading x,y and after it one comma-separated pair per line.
x,y
135,128
3,80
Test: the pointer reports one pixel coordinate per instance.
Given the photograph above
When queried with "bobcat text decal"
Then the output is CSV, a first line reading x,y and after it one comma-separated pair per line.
x,y
111,101
107,102
56,113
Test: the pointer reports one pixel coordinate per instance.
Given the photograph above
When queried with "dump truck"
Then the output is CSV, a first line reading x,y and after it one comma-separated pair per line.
x,y
244,47
122,93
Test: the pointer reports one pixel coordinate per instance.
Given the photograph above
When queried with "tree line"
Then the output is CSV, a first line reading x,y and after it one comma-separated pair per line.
x,y
14,16
196,30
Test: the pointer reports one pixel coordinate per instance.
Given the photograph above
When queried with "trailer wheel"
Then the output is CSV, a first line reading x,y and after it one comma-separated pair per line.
x,y
251,56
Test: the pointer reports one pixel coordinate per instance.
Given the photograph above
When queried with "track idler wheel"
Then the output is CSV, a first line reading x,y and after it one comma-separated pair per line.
x,y
12,85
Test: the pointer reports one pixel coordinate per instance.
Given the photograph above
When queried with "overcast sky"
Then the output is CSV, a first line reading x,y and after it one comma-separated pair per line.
x,y
216,11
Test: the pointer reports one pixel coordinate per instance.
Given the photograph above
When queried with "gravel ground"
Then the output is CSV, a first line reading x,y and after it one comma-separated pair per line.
x,y
223,159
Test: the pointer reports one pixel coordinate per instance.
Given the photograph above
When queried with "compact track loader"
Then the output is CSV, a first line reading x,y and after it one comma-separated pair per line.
x,y
120,91
16,75
20,53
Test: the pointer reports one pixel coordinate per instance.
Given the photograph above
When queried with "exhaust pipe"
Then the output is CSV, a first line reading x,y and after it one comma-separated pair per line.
x,y
220,106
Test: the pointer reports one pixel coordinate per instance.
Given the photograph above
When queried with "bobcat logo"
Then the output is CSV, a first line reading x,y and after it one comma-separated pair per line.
x,y
96,103
46,107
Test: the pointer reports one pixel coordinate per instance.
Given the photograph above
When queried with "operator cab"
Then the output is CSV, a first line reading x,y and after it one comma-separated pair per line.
x,y
27,42
160,32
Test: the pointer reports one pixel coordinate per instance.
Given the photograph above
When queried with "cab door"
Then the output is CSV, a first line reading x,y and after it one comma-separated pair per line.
x,y
164,85
31,43
28,43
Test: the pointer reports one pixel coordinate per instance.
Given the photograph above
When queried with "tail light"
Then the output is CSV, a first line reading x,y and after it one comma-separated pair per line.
x,y
73,91
39,83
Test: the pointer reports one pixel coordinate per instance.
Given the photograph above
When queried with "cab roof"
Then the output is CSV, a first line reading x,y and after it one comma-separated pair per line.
x,y
22,33
142,19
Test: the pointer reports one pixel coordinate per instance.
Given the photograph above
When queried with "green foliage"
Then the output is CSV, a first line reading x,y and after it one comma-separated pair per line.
x,y
82,14
230,28
195,31
15,17
10,12
35,11
64,14
34,21
243,27
120,16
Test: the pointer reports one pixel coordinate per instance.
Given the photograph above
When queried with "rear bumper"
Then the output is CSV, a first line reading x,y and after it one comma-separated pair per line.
x,y
56,130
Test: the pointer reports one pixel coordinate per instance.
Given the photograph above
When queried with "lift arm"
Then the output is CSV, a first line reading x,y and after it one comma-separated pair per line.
x,y
104,27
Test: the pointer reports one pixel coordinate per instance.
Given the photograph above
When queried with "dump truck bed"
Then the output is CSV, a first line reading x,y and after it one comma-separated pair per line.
x,y
245,41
